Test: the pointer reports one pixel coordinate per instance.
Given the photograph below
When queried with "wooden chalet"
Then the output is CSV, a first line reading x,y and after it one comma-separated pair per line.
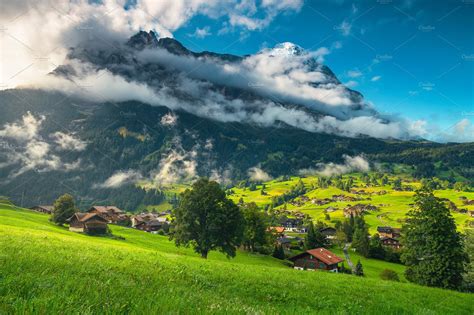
x,y
471,213
153,225
328,232
388,231
318,258
291,224
111,213
43,209
92,223
390,242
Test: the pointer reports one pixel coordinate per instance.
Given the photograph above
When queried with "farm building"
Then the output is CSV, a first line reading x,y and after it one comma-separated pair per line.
x,y
471,213
153,225
390,242
88,223
328,232
318,258
43,209
291,224
388,231
111,213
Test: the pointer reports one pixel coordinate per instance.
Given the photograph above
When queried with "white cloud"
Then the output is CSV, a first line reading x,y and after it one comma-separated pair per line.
x,y
120,178
257,174
345,28
375,78
462,131
351,164
177,165
30,151
169,119
25,130
68,141
354,73
202,32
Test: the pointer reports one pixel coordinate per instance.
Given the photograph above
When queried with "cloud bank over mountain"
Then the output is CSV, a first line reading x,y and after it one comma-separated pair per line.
x,y
284,84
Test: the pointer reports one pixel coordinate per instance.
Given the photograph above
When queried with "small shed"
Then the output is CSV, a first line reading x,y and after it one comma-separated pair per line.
x,y
92,223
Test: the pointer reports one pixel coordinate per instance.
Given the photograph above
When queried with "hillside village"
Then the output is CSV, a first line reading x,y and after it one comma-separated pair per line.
x,y
291,228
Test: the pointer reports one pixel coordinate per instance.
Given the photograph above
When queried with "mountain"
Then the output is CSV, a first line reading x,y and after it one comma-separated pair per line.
x,y
158,112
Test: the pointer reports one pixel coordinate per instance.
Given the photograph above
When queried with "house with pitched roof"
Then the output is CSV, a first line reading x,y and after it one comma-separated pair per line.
x,y
43,209
92,223
318,258
111,213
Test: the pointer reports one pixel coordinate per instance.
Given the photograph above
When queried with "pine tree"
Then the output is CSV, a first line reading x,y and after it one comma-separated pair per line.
x,y
360,239
433,250
314,238
359,270
376,249
278,252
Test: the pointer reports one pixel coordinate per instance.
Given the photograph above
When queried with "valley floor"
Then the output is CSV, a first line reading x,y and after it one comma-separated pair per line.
x,y
46,269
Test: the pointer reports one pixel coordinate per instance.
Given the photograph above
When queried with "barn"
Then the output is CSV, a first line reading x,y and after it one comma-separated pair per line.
x,y
91,223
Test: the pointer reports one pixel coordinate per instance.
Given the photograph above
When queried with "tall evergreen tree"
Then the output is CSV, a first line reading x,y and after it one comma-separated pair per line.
x,y
432,248
359,269
360,239
279,252
314,238
207,220
64,208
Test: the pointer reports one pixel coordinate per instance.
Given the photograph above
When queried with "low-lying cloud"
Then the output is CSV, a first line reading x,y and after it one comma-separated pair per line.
x,y
256,174
121,178
351,164
29,150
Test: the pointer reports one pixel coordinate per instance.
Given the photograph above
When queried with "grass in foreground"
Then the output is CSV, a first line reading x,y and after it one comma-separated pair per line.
x,y
47,269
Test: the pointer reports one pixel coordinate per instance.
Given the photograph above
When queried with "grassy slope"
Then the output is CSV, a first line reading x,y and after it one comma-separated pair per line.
x,y
47,269
393,206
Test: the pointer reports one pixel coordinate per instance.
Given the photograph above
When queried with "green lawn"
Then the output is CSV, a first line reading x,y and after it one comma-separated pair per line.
x,y
45,269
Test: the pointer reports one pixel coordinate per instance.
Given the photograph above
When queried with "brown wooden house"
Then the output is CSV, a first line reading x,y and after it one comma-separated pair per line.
x,y
318,258
43,209
390,242
92,223
153,225
388,231
111,213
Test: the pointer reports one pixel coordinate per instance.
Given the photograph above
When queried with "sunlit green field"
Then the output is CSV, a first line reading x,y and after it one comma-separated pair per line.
x,y
393,206
45,269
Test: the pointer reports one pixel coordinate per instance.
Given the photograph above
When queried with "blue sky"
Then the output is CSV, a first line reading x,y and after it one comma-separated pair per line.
x,y
409,58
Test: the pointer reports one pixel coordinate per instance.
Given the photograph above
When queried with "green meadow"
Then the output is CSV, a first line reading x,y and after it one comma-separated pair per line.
x,y
46,269
392,206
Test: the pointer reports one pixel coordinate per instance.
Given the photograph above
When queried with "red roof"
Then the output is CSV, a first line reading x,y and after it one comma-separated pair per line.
x,y
324,255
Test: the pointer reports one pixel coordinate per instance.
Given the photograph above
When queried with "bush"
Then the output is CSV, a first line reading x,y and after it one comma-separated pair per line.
x,y
388,274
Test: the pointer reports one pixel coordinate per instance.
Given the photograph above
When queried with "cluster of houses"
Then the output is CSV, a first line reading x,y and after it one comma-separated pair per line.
x,y
97,218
